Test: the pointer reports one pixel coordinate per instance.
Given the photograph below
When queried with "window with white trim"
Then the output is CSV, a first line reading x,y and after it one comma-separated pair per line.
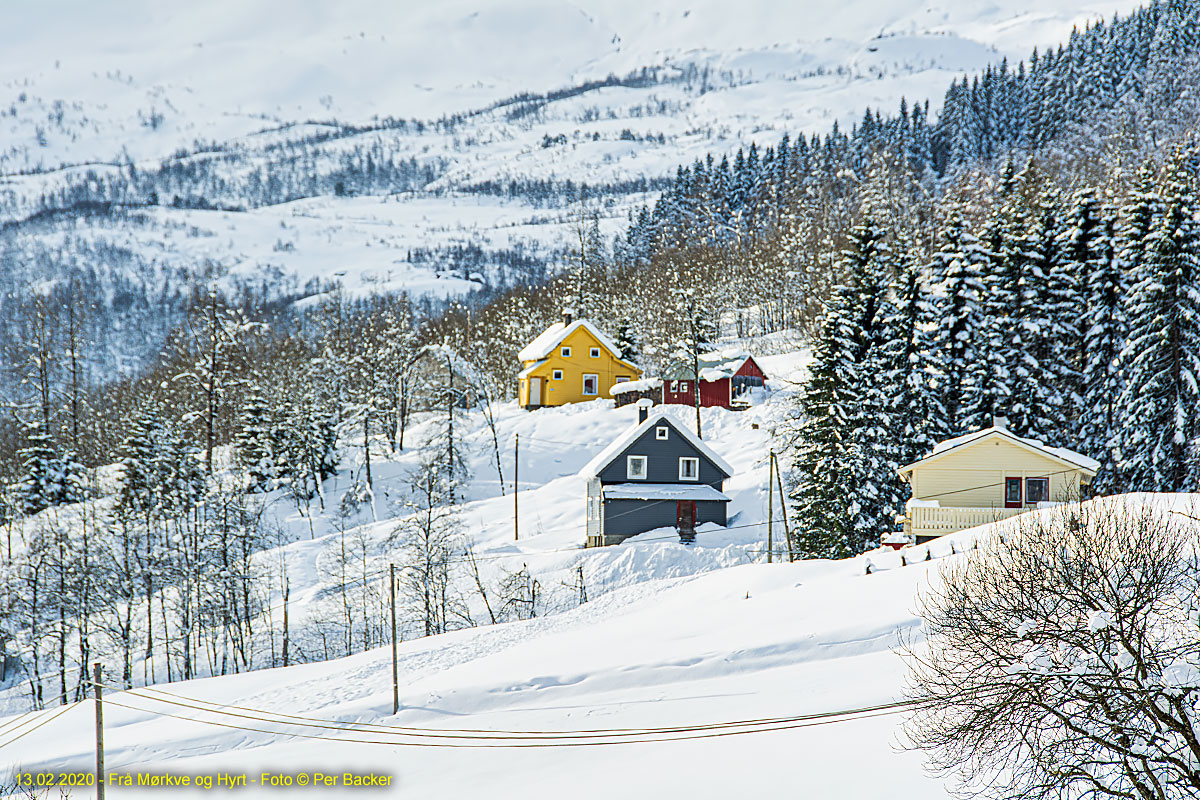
x,y
660,432
591,384
635,468
621,379
595,352
683,386
566,352
674,386
557,374
689,469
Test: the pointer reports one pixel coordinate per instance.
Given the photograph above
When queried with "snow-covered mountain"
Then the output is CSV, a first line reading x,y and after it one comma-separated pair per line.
x,y
496,107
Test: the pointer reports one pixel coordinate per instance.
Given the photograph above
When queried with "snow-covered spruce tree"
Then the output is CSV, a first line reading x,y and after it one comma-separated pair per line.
x,y
918,420
839,490
41,481
1161,359
1103,328
957,287
254,442
627,341
1052,331
1016,316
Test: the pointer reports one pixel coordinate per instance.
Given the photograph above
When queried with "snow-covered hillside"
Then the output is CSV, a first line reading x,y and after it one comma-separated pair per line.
x,y
605,93
576,702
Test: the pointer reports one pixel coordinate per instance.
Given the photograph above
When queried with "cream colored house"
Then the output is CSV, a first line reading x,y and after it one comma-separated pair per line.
x,y
985,476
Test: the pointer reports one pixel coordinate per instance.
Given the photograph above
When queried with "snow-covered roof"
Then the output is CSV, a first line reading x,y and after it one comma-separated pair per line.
x,y
526,372
550,338
635,386
662,491
713,366
1061,453
618,445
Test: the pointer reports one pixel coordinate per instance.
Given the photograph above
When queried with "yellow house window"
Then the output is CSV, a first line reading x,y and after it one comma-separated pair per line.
x,y
591,384
621,379
595,352
557,374
566,352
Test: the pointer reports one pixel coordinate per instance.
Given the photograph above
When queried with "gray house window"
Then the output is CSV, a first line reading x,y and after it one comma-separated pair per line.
x,y
635,468
689,469
660,432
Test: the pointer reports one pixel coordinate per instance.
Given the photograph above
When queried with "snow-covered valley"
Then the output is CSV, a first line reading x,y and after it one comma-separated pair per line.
x,y
497,116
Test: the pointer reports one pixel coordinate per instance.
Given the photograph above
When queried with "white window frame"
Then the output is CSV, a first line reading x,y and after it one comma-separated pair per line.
x,y
595,352
557,374
696,472
621,379
565,352
674,386
629,471
660,433
683,386
595,385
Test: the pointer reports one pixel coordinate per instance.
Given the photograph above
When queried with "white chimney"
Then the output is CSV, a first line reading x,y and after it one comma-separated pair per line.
x,y
568,315
643,407
1000,422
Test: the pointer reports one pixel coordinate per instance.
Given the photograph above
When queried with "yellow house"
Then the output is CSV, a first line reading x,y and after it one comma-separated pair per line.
x,y
985,476
570,362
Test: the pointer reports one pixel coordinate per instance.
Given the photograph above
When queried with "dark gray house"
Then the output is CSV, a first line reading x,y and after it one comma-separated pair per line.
x,y
657,475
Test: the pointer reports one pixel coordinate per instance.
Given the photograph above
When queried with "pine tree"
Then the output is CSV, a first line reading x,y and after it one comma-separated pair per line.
x,y
957,285
255,442
918,418
1161,360
41,483
627,341
1104,335
840,446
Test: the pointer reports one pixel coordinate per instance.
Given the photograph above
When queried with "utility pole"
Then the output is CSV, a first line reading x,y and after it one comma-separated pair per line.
x,y
99,695
516,483
770,504
783,508
395,665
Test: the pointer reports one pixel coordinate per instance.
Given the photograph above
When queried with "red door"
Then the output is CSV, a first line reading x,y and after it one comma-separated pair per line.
x,y
685,519
1012,492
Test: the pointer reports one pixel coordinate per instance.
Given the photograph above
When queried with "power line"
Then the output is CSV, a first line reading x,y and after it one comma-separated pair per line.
x,y
58,713
459,733
563,739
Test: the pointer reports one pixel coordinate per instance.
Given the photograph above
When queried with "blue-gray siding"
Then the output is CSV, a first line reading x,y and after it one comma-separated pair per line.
x,y
625,518
662,465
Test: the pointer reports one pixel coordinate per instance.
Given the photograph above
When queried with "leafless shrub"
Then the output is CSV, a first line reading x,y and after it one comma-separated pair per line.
x,y
1062,660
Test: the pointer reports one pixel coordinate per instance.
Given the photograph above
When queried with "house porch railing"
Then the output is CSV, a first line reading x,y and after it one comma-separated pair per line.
x,y
940,520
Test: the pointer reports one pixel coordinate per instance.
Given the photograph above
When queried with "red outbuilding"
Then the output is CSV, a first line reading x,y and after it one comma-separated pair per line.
x,y
726,380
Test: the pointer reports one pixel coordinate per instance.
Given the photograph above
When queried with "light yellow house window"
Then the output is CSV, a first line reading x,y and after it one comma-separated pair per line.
x,y
557,374
591,384
566,352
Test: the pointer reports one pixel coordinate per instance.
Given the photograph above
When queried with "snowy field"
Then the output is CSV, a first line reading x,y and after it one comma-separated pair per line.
x,y
671,636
